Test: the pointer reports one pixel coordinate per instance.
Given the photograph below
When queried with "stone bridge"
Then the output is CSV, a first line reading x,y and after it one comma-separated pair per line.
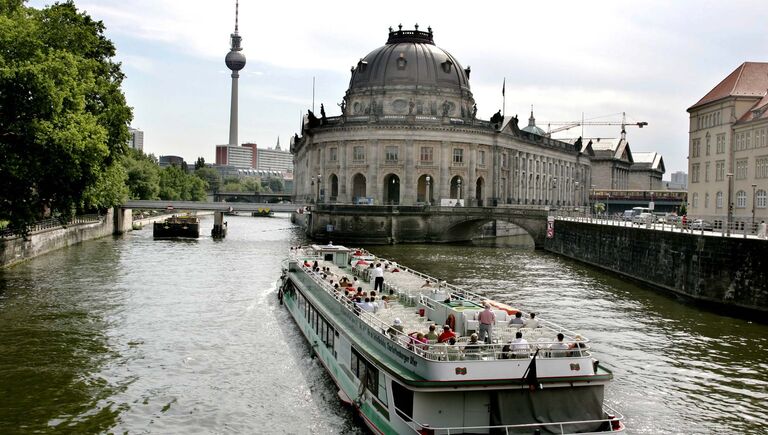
x,y
366,224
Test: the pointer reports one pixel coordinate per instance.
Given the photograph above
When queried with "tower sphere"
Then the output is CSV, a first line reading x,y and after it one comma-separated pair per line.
x,y
235,60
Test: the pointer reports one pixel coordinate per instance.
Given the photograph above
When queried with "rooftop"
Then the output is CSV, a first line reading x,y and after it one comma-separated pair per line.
x,y
750,79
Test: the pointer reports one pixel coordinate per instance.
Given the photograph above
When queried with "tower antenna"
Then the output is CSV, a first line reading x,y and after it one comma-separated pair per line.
x,y
237,12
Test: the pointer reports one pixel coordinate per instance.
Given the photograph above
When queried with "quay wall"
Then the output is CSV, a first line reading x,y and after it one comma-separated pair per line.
x,y
729,274
17,249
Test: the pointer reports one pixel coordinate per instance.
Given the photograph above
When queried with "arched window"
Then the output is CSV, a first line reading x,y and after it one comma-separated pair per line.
x,y
760,199
741,199
333,181
358,187
706,200
719,200
695,201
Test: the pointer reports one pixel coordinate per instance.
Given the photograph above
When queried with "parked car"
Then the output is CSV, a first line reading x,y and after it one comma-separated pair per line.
x,y
700,224
643,218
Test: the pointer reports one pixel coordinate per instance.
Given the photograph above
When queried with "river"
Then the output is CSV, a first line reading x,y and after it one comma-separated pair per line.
x,y
132,335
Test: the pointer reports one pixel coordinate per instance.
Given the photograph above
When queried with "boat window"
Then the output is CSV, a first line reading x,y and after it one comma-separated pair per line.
x,y
368,373
328,257
403,398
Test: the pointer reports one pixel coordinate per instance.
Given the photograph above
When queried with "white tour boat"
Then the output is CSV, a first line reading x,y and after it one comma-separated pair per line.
x,y
400,384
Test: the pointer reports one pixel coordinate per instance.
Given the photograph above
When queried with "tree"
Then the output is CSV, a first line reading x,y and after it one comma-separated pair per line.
x,y
199,163
210,176
177,185
143,176
63,116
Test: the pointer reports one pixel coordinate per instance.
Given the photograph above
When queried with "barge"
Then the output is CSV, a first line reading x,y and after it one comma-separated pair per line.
x,y
402,383
177,227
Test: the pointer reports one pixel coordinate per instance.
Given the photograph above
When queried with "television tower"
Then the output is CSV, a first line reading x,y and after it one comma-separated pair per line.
x,y
235,61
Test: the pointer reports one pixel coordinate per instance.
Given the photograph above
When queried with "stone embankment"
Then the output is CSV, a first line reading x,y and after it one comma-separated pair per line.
x,y
728,273
17,249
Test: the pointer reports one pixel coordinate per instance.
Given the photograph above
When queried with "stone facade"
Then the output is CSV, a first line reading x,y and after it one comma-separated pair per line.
x,y
409,135
729,135
728,273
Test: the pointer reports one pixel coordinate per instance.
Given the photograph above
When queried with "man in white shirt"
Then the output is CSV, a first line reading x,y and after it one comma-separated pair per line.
x,y
519,346
378,278
558,348
532,322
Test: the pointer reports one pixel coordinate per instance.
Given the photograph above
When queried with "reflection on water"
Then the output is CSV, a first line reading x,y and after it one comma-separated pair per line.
x,y
135,335
678,369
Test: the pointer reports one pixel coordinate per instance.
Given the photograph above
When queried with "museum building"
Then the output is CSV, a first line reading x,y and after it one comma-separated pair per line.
x,y
409,135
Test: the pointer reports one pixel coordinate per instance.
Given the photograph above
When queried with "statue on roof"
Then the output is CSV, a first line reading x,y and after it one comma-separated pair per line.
x,y
577,144
497,118
322,112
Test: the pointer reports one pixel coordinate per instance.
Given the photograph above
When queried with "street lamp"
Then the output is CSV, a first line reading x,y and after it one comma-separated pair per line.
x,y
591,200
428,195
318,187
575,200
753,207
458,182
729,216
554,191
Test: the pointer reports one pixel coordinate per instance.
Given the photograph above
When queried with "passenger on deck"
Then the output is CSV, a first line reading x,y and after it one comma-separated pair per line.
x,y
384,302
427,284
519,346
315,265
432,335
518,319
367,305
376,305
378,277
533,322
395,329
473,348
452,351
577,347
558,348
446,335
486,319
418,341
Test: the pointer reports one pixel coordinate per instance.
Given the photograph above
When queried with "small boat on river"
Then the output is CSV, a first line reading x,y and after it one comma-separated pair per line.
x,y
177,227
400,383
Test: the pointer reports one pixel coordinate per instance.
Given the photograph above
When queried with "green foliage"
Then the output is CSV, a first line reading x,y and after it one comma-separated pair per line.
x,y
599,207
683,209
177,185
199,163
143,175
232,187
63,116
210,176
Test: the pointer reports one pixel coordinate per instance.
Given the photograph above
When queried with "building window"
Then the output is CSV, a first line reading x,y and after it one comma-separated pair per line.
x,y
504,160
708,144
458,155
720,170
720,143
696,148
481,157
748,144
706,200
741,169
761,167
695,173
695,202
426,154
706,171
332,154
741,199
358,153
390,154
719,200
760,199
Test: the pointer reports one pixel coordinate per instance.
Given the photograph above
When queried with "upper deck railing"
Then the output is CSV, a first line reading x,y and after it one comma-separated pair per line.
x,y
442,351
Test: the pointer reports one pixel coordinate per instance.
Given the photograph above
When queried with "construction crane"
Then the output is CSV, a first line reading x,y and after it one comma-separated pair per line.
x,y
569,125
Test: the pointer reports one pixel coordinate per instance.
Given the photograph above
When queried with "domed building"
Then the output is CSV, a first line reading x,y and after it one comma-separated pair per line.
x,y
409,135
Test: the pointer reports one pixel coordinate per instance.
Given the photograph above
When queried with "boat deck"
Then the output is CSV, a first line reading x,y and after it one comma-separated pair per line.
x,y
418,306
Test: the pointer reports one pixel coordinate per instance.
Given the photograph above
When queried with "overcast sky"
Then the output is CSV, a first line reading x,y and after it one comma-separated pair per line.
x,y
650,59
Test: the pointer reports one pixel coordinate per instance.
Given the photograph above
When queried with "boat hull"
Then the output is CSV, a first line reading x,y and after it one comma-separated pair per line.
x,y
169,230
